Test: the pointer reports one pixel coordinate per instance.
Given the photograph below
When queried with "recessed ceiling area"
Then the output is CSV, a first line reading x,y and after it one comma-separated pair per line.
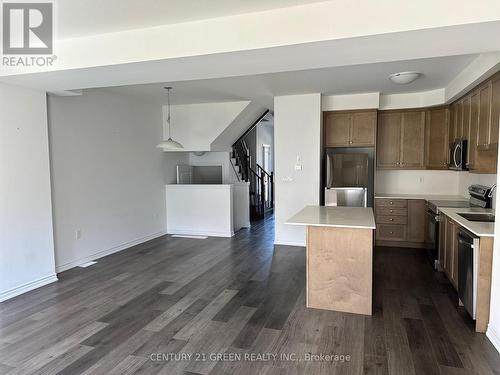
x,y
436,73
78,18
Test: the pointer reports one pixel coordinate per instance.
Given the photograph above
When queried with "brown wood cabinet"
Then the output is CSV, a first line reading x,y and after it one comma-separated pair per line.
x,y
484,124
481,116
442,241
412,139
436,138
474,119
466,105
350,128
495,111
450,249
401,136
388,140
400,222
417,211
452,124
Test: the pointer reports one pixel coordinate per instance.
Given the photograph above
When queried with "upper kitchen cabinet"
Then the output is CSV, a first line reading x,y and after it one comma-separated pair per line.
x,y
484,126
436,138
495,111
474,119
388,140
452,123
350,128
400,140
412,139
466,108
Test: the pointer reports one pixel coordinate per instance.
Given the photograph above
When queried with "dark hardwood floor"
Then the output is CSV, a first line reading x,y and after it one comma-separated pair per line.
x,y
236,306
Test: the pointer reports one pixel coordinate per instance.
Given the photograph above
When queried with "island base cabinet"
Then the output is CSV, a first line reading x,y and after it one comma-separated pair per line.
x,y
339,269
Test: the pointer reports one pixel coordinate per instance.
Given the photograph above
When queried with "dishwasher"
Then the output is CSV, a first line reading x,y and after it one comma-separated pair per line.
x,y
468,264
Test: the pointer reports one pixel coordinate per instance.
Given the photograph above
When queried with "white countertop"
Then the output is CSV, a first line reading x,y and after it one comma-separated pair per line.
x,y
427,197
480,229
339,217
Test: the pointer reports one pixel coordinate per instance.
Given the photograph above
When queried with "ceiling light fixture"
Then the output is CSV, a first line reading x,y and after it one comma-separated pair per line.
x,y
403,78
169,144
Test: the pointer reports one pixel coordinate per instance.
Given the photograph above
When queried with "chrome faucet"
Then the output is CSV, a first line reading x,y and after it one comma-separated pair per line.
x,y
490,194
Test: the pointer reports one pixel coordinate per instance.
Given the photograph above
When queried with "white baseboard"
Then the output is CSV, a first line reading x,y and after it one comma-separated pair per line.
x,y
190,232
103,253
5,295
493,335
289,243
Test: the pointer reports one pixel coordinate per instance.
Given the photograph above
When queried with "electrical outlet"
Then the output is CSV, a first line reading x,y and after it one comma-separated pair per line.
x,y
78,234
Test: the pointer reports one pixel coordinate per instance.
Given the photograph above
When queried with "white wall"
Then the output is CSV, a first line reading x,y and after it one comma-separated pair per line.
x,y
108,176
26,242
203,210
429,182
265,136
412,99
351,101
297,140
196,126
465,179
216,158
417,182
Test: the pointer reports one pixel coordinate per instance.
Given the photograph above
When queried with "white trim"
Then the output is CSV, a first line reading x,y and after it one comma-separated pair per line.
x,y
24,288
290,243
494,336
103,253
191,232
189,236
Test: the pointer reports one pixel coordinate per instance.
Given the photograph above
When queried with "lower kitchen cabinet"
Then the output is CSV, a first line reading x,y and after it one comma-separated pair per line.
x,y
448,248
400,222
442,242
417,215
448,260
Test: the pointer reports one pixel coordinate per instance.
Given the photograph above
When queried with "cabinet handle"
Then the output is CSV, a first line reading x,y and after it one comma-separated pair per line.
x,y
391,219
391,232
391,211
391,202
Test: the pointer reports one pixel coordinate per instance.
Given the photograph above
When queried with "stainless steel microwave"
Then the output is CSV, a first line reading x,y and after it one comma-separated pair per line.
x,y
458,155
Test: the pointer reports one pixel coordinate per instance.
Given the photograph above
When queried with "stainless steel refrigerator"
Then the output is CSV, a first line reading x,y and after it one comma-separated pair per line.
x,y
348,177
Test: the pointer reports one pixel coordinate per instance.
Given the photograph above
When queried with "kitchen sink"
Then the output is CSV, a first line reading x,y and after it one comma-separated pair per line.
x,y
484,217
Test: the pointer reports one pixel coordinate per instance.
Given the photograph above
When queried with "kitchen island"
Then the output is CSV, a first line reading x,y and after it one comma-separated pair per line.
x,y
339,257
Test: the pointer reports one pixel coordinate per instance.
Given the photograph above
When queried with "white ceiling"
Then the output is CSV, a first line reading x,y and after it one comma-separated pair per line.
x,y
77,18
437,73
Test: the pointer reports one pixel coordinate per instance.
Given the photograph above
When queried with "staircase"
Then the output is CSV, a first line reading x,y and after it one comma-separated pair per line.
x,y
261,181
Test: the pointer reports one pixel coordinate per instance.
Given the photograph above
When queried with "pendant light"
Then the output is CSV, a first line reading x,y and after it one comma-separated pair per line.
x,y
169,144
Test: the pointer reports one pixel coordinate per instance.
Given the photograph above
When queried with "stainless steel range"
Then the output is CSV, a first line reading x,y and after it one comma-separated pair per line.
x,y
480,196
